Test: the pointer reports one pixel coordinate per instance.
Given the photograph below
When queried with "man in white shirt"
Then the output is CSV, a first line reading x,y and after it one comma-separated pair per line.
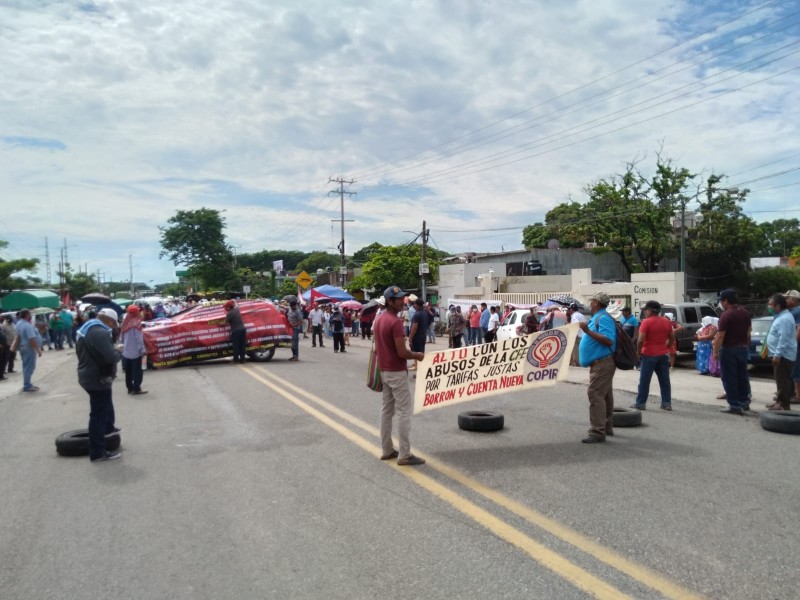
x,y
494,323
317,317
575,316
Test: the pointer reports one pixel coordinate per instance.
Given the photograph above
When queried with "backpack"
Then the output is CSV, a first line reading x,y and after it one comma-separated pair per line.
x,y
624,353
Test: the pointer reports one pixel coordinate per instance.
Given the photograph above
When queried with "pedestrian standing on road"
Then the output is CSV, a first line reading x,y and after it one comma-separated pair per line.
x,y
337,327
419,329
97,369
704,336
347,320
11,335
295,316
673,348
652,348
491,325
731,348
782,349
485,316
29,348
238,331
132,339
793,303
317,317
597,352
392,354
574,315
5,346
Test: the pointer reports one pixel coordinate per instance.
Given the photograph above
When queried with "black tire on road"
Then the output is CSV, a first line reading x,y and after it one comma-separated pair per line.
x,y
481,421
76,443
262,355
627,417
780,421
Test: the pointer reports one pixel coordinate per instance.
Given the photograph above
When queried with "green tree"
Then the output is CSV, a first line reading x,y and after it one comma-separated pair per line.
x,y
287,287
364,254
398,265
764,282
318,260
780,237
262,261
721,247
10,268
196,239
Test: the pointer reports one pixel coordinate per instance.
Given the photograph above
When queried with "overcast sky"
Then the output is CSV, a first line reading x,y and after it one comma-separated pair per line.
x,y
477,116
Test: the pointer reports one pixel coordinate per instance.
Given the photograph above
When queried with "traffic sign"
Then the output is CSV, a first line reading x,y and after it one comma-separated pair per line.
x,y
181,273
303,280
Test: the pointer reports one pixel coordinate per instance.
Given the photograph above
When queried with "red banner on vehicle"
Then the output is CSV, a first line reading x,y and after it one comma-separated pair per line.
x,y
201,333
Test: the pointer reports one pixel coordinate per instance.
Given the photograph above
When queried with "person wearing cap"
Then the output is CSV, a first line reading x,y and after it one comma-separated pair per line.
x,y
596,351
782,349
392,354
337,326
132,339
238,331
97,369
574,315
732,348
29,347
652,347
793,304
295,316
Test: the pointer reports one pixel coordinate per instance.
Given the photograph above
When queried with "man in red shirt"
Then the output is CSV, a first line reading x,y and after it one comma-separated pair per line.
x,y
392,354
655,337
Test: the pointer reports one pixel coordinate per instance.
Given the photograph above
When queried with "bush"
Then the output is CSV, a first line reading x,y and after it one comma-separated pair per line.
x,y
764,282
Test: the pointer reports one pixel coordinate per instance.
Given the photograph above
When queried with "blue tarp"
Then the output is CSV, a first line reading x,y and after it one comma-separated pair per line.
x,y
331,291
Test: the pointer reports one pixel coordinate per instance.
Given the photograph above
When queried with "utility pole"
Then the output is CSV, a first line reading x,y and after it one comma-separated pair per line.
x,y
47,259
423,265
130,266
341,192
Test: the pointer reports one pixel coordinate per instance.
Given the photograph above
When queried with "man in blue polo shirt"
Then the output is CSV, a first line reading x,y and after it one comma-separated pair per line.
x,y
596,351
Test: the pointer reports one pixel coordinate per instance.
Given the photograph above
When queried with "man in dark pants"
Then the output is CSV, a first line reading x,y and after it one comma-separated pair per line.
x,y
97,368
419,329
238,332
337,326
295,316
596,351
782,348
731,348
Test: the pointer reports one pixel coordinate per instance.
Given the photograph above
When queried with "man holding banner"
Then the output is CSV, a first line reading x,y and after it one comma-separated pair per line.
x,y
392,353
596,351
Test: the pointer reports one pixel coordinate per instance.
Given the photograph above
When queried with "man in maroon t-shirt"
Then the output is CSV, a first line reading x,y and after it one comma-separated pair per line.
x,y
655,337
731,347
392,353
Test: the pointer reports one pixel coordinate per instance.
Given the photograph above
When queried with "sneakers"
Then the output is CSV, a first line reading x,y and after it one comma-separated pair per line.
x,y
732,411
115,431
410,460
294,359
667,407
390,456
593,438
33,388
107,456
138,392
638,406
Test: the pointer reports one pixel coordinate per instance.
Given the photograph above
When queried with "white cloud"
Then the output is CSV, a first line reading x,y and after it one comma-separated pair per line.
x,y
154,101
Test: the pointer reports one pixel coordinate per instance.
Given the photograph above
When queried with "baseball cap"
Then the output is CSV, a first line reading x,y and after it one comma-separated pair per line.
x,y
729,295
653,305
792,294
229,304
132,310
394,292
602,298
108,312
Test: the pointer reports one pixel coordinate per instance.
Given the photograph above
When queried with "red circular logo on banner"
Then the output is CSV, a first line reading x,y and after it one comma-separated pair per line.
x,y
548,349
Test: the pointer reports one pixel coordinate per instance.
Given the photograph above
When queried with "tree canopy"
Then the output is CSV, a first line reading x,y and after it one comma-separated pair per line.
x,y
10,268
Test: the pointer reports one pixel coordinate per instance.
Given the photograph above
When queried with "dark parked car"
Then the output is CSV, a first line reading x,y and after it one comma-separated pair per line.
x,y
758,337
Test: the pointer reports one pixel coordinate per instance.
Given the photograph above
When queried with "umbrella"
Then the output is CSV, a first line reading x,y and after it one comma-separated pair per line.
x,y
564,300
43,310
290,298
194,297
370,307
352,305
96,298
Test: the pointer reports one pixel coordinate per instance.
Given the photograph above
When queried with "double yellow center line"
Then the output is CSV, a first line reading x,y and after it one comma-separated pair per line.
x,y
577,576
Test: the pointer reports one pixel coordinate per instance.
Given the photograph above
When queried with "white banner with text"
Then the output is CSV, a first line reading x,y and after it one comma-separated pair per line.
x,y
459,375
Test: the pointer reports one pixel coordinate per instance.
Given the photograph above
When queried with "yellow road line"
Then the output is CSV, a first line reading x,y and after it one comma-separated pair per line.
x,y
559,565
640,573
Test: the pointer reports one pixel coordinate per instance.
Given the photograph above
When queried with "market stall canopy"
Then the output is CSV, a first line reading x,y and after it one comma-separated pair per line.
x,y
30,299
96,298
331,291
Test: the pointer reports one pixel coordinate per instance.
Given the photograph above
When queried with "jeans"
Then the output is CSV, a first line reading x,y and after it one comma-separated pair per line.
x,y
735,380
58,339
356,326
659,365
133,373
432,332
316,332
28,356
296,341
101,421
239,343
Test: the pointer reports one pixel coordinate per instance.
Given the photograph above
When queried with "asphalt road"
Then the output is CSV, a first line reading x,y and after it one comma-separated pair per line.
x,y
262,481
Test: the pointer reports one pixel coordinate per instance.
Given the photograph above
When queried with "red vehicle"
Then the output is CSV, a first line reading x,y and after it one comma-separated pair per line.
x,y
201,333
